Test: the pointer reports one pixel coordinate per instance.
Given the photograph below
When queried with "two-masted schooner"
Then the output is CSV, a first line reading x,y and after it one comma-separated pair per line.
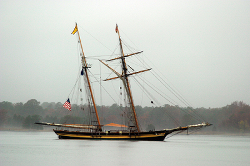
x,y
94,130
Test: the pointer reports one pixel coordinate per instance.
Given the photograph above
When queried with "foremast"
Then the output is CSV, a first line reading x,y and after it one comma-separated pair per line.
x,y
93,113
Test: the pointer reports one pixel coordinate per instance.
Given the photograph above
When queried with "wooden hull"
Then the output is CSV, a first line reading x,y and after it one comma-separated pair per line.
x,y
146,136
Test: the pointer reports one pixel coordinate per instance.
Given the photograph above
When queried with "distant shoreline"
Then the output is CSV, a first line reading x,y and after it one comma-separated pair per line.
x,y
24,130
217,133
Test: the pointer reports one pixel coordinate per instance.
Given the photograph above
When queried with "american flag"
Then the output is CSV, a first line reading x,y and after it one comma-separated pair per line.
x,y
67,105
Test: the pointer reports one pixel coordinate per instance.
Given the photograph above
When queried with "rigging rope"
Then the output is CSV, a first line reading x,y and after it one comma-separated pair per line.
x,y
152,86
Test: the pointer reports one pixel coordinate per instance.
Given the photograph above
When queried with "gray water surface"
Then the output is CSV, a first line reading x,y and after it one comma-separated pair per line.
x,y
44,148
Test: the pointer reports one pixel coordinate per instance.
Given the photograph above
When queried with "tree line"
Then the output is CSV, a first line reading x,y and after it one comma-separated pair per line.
x,y
234,117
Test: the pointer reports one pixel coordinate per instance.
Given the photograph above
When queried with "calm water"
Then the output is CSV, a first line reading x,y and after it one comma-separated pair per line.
x,y
44,148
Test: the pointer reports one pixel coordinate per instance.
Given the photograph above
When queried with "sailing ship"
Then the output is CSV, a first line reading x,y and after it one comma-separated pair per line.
x,y
94,130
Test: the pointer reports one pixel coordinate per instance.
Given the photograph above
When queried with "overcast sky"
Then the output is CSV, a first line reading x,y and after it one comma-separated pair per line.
x,y
202,47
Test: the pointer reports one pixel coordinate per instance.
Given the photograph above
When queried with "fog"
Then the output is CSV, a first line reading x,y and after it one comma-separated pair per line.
x,y
202,47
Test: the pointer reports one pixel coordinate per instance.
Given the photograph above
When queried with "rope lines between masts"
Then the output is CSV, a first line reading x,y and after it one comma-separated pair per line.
x,y
102,87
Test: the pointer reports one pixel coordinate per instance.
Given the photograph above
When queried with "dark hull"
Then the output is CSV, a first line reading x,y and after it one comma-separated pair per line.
x,y
146,136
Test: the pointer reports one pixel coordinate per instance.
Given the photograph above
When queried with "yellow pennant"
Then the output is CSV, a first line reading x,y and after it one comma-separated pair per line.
x,y
75,30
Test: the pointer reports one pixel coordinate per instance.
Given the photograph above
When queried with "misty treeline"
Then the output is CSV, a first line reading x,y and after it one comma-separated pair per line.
x,y
231,118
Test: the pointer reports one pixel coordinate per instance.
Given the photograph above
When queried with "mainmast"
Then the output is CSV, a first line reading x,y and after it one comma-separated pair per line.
x,y
124,77
126,82
95,119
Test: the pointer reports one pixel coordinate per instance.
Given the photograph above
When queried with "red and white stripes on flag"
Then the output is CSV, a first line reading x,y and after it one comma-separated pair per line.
x,y
67,105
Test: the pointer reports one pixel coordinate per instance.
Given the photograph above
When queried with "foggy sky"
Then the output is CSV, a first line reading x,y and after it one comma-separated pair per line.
x,y
202,47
